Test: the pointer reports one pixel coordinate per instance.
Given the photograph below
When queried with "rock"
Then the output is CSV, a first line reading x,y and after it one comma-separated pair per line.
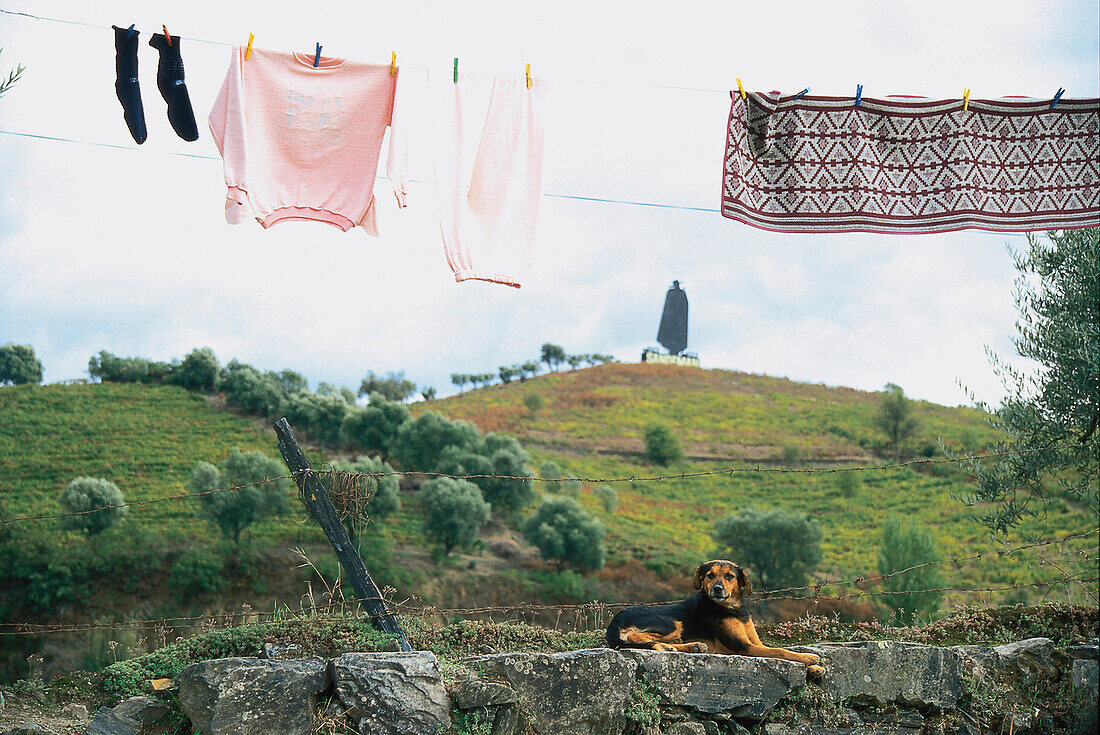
x,y
686,728
1090,651
75,711
246,696
575,693
1022,664
478,693
887,672
777,729
281,652
109,722
146,710
747,687
32,728
392,693
1086,678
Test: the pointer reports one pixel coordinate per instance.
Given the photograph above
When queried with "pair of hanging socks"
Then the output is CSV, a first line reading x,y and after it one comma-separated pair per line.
x,y
170,82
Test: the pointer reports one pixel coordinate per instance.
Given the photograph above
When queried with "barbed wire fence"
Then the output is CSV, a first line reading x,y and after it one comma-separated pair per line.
x,y
355,488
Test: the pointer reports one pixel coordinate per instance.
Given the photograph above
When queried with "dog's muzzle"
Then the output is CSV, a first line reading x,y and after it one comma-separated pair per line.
x,y
718,592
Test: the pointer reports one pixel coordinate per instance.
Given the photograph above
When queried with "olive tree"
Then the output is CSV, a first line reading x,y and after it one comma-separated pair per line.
x,y
781,548
98,504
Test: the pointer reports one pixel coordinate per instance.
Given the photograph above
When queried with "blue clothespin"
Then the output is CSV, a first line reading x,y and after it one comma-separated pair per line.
x,y
807,89
859,94
1057,96
130,30
317,58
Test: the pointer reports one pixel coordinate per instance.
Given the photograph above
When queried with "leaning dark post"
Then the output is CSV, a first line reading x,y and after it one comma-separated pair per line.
x,y
319,504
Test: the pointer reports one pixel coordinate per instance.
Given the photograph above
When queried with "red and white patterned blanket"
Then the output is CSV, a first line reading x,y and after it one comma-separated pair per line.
x,y
911,165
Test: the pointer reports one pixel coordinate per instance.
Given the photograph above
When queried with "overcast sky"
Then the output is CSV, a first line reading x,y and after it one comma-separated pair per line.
x,y
124,248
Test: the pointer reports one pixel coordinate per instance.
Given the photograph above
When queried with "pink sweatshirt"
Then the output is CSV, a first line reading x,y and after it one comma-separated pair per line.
x,y
302,143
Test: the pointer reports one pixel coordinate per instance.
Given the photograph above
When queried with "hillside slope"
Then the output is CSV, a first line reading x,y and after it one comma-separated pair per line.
x,y
717,414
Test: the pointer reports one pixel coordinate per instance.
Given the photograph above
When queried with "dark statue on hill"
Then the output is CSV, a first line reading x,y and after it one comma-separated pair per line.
x,y
673,332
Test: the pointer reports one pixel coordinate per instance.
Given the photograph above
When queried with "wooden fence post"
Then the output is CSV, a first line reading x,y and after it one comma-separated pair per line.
x,y
319,504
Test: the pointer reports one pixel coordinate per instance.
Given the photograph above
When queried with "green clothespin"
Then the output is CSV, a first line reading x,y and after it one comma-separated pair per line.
x,y
456,70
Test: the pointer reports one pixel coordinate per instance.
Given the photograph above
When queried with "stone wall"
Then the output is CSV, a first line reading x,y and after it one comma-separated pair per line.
x,y
888,688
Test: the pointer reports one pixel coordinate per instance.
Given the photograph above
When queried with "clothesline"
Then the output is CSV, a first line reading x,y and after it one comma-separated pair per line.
x,y
226,44
575,197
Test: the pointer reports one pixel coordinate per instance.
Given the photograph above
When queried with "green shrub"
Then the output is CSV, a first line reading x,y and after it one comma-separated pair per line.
x,y
848,483
98,502
607,497
19,366
781,548
198,571
566,535
454,512
236,510
533,401
902,546
199,371
661,445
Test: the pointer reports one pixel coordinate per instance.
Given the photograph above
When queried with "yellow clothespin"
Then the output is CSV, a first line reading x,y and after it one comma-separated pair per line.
x,y
741,90
248,50
528,76
393,63
966,99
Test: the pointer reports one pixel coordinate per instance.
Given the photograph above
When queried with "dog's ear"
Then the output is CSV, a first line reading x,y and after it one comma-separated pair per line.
x,y
744,582
702,570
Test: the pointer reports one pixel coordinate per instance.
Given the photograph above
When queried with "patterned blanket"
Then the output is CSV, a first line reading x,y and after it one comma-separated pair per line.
x,y
911,165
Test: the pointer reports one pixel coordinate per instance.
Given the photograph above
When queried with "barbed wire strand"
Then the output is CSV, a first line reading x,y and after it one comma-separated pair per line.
x,y
360,476
422,611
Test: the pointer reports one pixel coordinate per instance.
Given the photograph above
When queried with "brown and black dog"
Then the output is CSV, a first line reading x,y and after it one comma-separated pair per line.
x,y
712,621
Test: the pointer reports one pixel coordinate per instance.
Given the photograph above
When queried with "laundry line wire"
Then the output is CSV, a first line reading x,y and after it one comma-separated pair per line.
x,y
193,39
574,197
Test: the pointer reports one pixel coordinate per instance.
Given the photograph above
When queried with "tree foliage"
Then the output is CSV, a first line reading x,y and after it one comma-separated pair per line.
x,y
566,535
781,548
903,546
86,494
374,428
553,355
198,371
233,512
661,445
454,512
419,443
494,454
895,417
19,366
394,386
1051,415
384,493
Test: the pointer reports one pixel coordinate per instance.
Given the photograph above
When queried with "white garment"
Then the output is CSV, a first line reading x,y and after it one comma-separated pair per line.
x,y
488,173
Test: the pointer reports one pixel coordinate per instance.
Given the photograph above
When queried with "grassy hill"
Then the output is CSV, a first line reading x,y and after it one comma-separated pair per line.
x,y
146,439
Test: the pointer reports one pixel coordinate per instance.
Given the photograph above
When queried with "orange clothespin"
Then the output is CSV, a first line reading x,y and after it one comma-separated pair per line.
x,y
393,63
248,50
741,90
528,76
966,99
167,37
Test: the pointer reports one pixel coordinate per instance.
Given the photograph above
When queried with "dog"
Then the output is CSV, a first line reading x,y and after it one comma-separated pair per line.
x,y
713,621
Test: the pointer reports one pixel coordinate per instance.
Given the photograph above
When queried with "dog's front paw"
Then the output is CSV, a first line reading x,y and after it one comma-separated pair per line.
x,y
811,658
699,648
815,670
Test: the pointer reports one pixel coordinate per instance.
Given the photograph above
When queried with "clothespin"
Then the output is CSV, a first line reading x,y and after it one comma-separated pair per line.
x,y
966,99
167,37
1057,96
248,50
456,70
317,58
393,63
130,30
807,89
741,90
528,76
859,94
